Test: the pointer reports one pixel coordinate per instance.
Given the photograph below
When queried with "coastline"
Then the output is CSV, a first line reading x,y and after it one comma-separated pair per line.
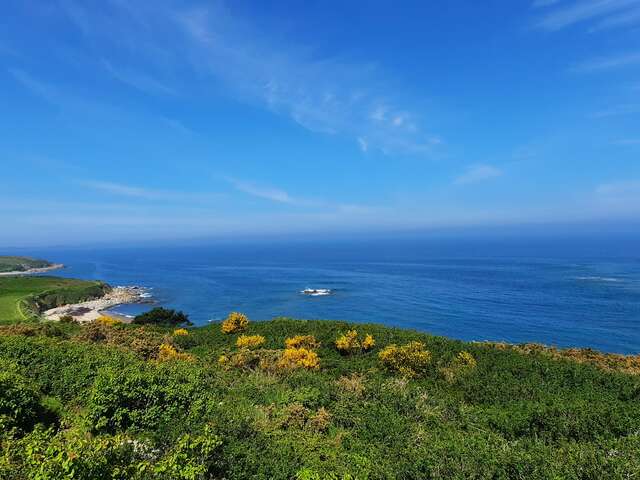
x,y
91,310
31,271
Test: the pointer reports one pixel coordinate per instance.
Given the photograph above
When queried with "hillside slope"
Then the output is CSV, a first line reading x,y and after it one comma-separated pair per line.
x,y
108,400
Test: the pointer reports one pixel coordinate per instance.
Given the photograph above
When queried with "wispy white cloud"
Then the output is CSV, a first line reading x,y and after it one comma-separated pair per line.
x,y
329,95
363,144
608,63
138,80
264,192
582,11
143,193
36,87
478,173
627,19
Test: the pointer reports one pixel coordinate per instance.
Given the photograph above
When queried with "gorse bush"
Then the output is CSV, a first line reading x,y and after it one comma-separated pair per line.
x,y
235,322
302,341
250,341
108,321
180,332
463,364
293,358
167,352
409,360
349,343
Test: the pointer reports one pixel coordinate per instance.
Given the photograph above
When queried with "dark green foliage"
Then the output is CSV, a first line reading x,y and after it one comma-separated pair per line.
x,y
19,399
162,316
148,397
512,416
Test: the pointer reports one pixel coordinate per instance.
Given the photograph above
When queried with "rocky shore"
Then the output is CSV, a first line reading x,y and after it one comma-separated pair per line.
x,y
93,309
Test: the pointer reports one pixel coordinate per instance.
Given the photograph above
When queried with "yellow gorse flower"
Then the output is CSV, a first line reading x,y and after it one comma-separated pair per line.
x,y
409,360
180,332
108,321
292,358
235,322
350,343
168,352
302,341
250,341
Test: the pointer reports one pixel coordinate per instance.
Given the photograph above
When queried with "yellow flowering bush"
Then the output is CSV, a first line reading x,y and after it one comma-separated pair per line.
x,y
409,360
168,352
180,332
250,341
235,322
465,359
368,343
350,343
108,321
462,364
292,358
302,341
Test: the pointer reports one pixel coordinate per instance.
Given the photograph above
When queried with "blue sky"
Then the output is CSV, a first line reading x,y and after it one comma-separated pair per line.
x,y
125,121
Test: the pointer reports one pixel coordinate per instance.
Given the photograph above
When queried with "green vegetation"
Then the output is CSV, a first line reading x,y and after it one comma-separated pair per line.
x,y
162,316
21,264
145,402
23,298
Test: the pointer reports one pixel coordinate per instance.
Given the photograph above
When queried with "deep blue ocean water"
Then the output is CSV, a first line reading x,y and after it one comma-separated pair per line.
x,y
557,293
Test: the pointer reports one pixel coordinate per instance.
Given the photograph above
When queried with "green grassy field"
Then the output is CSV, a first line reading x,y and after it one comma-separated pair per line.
x,y
20,264
137,402
17,294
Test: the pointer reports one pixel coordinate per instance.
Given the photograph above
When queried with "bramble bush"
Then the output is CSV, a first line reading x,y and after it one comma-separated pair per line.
x,y
235,322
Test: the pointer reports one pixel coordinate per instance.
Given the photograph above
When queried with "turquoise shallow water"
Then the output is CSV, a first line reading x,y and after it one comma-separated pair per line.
x,y
557,295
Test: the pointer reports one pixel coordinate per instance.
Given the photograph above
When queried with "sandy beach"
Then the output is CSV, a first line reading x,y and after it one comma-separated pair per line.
x,y
55,266
93,309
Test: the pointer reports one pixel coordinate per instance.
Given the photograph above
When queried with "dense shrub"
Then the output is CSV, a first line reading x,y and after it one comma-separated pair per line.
x,y
302,341
250,341
180,332
167,352
349,343
235,322
44,455
409,360
19,399
145,396
292,358
162,316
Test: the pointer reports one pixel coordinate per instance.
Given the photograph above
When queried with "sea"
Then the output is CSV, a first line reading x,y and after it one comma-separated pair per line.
x,y
567,292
